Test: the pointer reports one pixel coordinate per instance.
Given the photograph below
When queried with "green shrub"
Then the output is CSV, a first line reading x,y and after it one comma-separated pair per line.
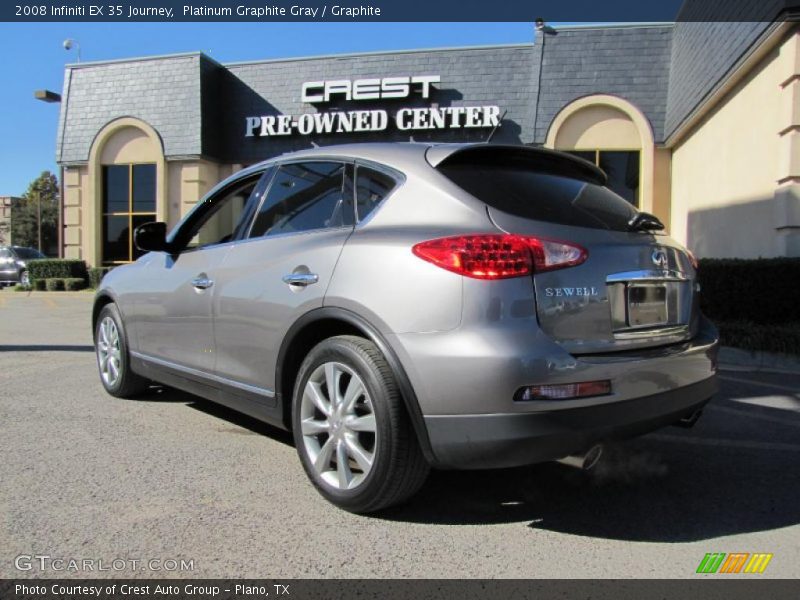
x,y
22,288
73,284
753,336
54,284
39,284
761,291
96,275
49,268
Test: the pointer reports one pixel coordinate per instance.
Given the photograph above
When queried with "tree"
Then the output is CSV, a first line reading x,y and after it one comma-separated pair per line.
x,y
39,204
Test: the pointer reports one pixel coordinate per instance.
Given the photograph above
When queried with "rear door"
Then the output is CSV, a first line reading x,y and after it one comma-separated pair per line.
x,y
282,269
635,289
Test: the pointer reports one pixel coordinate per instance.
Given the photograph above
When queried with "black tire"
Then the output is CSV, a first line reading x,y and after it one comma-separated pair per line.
x,y
128,384
399,468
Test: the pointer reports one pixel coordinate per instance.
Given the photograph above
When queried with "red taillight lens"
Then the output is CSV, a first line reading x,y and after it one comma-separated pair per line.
x,y
499,256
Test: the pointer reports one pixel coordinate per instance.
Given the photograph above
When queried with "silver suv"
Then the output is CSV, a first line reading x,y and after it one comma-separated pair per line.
x,y
403,306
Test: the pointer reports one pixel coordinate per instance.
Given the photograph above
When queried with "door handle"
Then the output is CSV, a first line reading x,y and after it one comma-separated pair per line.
x,y
301,279
202,283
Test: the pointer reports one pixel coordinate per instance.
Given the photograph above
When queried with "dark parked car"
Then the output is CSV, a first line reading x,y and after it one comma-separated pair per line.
x,y
401,306
14,264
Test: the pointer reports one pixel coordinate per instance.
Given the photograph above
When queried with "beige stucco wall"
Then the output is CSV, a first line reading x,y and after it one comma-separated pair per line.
x,y
735,176
596,127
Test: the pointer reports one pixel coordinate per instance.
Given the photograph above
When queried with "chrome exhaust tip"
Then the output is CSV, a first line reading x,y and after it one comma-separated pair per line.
x,y
688,422
584,460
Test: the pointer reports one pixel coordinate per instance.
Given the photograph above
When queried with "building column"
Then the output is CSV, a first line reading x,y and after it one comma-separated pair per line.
x,y
787,194
74,213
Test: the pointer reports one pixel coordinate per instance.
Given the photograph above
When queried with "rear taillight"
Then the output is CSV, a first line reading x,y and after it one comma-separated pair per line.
x,y
499,256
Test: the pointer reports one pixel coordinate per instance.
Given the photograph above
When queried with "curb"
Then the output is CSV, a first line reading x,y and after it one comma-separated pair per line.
x,y
737,359
63,294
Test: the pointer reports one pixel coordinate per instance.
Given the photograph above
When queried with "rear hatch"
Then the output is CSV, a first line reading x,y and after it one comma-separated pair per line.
x,y
636,287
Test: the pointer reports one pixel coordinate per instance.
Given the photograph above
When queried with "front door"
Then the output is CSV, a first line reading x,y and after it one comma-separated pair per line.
x,y
173,310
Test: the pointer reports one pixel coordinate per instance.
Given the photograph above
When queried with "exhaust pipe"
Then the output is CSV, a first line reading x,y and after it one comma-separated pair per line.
x,y
584,460
688,422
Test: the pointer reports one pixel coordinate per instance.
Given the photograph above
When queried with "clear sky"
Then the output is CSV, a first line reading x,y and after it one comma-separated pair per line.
x,y
34,58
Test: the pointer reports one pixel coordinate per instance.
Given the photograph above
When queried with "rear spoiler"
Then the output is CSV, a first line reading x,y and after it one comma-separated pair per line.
x,y
538,159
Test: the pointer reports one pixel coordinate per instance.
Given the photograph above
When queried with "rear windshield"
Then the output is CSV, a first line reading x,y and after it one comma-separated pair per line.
x,y
541,196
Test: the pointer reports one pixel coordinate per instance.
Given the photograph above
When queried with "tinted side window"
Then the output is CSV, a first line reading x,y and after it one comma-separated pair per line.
x,y
219,218
543,196
304,197
371,187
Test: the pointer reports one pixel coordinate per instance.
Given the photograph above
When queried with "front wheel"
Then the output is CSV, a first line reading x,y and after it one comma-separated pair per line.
x,y
351,429
113,360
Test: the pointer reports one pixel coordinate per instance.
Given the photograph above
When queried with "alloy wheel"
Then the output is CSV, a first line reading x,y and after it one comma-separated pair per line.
x,y
109,355
337,421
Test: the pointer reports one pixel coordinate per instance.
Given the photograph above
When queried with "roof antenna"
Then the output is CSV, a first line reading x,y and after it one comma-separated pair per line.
x,y
494,129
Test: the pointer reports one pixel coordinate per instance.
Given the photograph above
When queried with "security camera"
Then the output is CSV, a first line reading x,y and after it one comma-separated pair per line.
x,y
68,44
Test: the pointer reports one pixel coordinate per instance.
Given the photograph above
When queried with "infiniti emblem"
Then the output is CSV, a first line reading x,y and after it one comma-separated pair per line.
x,y
659,258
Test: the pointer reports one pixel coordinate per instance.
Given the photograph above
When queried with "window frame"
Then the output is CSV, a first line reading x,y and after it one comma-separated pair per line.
x,y
398,177
130,214
597,151
208,203
350,170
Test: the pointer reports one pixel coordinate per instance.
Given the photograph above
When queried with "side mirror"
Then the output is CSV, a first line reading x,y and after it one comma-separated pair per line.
x,y
151,237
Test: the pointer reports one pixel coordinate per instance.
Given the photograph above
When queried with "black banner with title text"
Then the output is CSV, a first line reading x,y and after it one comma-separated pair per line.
x,y
419,589
394,11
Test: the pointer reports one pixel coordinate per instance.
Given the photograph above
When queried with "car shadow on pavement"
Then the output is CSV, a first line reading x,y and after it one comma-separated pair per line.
x,y
46,348
660,488
243,424
735,472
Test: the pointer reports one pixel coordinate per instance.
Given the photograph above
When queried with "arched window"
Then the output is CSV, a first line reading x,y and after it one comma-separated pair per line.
x,y
128,171
611,133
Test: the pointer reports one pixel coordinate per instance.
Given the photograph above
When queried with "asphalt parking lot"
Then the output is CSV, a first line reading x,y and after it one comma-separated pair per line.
x,y
170,476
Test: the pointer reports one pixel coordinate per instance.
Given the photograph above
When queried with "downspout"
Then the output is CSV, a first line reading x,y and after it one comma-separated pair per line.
x,y
65,106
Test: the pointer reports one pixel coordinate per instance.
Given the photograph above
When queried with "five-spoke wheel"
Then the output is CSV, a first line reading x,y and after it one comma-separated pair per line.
x,y
111,347
338,425
351,428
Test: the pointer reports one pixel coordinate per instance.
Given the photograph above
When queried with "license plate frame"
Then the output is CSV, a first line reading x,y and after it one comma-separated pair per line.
x,y
646,305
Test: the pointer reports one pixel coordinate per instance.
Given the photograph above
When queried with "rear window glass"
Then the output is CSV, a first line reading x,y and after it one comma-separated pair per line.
x,y
541,196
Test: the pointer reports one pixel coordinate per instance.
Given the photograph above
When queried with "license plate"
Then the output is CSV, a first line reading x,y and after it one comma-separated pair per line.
x,y
647,304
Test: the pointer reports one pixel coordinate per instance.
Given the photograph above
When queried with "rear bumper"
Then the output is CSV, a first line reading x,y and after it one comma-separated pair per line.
x,y
487,441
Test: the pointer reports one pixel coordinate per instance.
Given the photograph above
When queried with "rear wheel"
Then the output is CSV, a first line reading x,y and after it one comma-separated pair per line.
x,y
351,429
113,360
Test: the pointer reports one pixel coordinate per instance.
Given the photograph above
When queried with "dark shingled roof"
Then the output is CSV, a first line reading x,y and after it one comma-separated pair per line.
x,y
629,61
199,106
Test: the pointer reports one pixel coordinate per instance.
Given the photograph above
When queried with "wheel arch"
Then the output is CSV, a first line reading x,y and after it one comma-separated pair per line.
x,y
322,323
102,299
